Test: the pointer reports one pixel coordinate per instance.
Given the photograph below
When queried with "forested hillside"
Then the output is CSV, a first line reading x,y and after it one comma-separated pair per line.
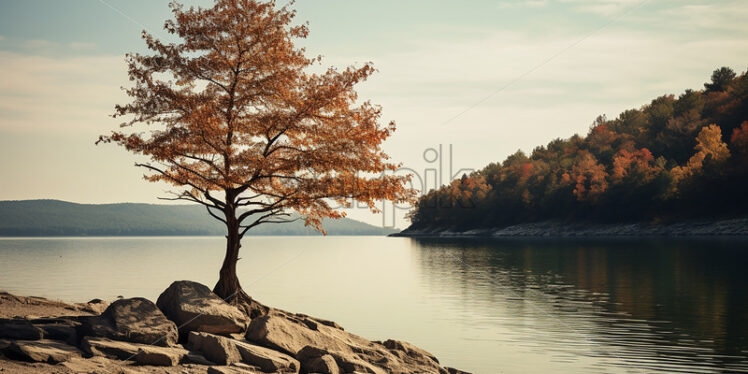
x,y
61,218
675,158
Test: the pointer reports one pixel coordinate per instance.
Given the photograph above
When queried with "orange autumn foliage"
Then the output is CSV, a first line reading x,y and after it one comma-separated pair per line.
x,y
467,190
626,162
661,161
238,113
708,144
590,177
230,114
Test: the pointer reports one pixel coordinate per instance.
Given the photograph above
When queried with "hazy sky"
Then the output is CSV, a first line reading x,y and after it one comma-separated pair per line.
x,y
487,77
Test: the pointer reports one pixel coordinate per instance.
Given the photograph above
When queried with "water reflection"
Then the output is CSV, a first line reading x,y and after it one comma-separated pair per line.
x,y
627,305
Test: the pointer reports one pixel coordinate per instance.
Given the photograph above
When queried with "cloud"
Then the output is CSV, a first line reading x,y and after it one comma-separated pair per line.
x,y
45,47
38,44
724,17
523,3
81,45
42,93
522,89
599,7
606,7
606,64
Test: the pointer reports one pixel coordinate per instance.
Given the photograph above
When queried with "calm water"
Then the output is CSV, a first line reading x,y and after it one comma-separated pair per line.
x,y
482,306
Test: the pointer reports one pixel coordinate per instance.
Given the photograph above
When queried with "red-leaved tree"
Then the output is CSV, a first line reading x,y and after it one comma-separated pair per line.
x,y
232,117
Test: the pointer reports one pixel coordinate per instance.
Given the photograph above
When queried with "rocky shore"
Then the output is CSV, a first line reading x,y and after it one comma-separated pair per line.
x,y
732,227
188,330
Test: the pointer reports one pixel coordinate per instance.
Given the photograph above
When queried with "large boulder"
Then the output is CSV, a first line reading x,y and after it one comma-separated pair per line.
x,y
48,351
315,344
135,320
194,307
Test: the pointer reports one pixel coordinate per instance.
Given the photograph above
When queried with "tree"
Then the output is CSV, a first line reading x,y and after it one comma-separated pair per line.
x,y
230,115
638,162
590,177
709,142
709,146
720,79
739,138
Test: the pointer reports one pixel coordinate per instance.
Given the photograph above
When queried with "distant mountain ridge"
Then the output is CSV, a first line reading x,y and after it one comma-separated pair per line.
x,y
62,218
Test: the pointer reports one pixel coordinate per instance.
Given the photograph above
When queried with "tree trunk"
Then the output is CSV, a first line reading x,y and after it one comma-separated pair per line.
x,y
228,283
228,287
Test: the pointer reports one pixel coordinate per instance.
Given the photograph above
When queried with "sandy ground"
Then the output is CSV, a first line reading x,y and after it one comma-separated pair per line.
x,y
12,306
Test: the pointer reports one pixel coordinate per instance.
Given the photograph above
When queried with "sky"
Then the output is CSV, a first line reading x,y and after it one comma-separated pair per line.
x,y
480,78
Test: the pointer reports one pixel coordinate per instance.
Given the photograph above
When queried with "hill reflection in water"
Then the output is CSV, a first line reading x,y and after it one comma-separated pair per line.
x,y
670,305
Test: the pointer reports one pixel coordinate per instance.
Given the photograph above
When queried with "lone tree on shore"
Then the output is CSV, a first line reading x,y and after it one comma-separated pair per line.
x,y
230,115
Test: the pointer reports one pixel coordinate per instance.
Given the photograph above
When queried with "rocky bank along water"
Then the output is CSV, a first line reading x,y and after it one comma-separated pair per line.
x,y
729,227
189,330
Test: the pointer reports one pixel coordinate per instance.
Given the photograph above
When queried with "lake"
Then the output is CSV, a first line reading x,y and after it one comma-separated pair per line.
x,y
502,306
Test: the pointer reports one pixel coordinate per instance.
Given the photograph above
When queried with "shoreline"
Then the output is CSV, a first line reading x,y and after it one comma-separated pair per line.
x,y
724,228
2,237
189,330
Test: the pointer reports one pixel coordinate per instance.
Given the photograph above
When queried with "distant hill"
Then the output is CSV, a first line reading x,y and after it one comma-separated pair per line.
x,y
673,160
61,218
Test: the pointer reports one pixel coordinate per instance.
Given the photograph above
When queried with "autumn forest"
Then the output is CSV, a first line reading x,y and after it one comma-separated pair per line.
x,y
676,158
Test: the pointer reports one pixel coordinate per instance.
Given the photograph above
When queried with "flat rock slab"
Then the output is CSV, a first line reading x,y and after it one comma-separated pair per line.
x,y
311,342
19,329
230,370
317,360
268,360
194,307
219,349
227,351
160,356
96,364
49,351
109,348
290,334
63,328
